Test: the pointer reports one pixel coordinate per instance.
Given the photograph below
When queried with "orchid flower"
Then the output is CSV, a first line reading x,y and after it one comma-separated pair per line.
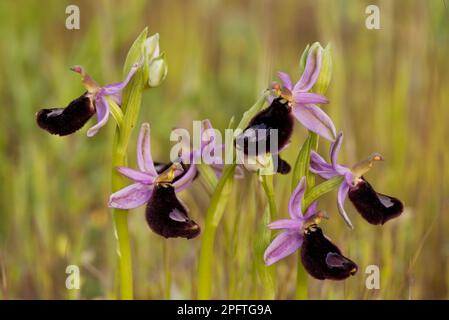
x,y
375,207
138,193
302,101
292,237
165,214
321,258
64,121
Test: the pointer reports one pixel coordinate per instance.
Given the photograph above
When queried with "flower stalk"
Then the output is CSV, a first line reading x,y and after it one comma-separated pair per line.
x,y
215,211
131,101
267,274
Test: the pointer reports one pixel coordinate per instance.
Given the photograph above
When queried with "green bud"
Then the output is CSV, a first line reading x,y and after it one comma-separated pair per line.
x,y
152,47
157,71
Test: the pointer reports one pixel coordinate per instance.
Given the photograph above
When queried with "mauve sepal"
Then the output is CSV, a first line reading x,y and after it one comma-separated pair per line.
x,y
376,208
322,259
167,216
65,121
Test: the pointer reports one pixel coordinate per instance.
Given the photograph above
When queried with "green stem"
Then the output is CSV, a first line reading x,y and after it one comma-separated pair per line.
x,y
167,284
132,98
268,274
215,211
213,217
120,219
301,291
267,184
300,170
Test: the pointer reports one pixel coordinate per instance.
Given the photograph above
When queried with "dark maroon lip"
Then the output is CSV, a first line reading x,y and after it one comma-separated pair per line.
x,y
277,116
65,121
322,259
167,216
374,207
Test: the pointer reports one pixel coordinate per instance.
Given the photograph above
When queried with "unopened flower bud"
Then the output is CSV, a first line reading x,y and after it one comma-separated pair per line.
x,y
152,47
157,71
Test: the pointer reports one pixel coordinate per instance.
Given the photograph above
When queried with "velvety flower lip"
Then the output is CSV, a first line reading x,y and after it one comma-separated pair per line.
x,y
302,102
291,238
322,259
375,207
167,216
276,117
138,193
254,148
64,121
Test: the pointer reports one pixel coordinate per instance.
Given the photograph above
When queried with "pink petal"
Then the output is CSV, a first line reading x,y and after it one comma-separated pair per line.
x,y
102,109
186,179
286,224
341,197
131,197
135,175
316,120
335,149
282,246
115,88
311,210
144,158
311,71
294,205
285,79
309,98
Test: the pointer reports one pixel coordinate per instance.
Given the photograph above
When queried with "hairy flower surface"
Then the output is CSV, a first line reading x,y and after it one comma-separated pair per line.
x,y
375,207
65,121
322,259
167,216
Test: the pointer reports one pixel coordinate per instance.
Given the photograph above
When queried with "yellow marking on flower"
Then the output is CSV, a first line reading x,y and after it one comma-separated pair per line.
x,y
168,175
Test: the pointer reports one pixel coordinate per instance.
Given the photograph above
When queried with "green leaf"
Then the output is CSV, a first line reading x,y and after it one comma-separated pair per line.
x,y
321,189
116,112
136,52
302,162
265,274
251,112
314,138
221,195
207,174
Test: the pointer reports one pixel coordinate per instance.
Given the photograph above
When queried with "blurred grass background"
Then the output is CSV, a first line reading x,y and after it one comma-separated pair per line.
x,y
389,94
